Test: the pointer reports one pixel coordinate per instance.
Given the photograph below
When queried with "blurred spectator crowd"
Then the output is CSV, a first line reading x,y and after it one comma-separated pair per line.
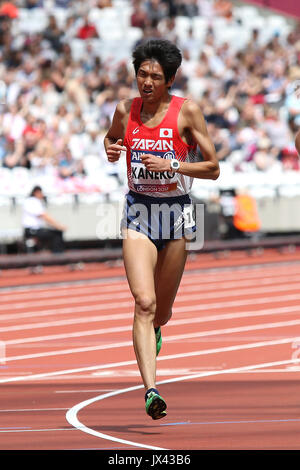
x,y
65,64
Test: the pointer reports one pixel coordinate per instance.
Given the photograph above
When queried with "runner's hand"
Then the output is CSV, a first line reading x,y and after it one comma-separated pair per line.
x,y
113,151
153,163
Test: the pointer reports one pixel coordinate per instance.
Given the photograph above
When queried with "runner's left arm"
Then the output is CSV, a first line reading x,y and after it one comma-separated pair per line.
x,y
113,141
193,122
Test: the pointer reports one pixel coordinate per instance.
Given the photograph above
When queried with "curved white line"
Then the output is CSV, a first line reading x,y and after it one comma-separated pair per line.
x,y
71,417
71,414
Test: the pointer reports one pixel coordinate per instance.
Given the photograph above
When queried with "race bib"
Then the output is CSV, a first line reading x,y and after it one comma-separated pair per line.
x,y
188,216
151,181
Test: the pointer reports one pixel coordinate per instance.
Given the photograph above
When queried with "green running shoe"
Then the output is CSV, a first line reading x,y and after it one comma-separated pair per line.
x,y
155,405
158,340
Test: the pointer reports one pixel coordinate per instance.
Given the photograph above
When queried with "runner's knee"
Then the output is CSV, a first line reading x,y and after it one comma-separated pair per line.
x,y
145,305
161,319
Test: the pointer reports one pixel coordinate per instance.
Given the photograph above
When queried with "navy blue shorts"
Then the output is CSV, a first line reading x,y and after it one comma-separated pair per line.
x,y
160,219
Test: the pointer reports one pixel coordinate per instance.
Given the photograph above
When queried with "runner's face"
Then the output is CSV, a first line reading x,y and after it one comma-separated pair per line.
x,y
151,81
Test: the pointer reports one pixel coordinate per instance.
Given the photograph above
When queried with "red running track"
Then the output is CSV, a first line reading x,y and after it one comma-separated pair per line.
x,y
228,368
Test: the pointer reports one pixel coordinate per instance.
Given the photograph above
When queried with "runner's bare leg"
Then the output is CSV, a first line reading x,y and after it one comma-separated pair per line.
x,y
140,257
168,274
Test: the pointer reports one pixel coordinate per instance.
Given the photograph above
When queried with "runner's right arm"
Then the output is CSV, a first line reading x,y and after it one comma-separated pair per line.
x,y
113,141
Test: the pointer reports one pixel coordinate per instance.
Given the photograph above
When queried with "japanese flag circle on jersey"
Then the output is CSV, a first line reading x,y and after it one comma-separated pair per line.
x,y
165,132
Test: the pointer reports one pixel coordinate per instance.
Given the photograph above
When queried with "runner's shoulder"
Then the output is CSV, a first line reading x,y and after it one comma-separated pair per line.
x,y
190,107
123,107
190,112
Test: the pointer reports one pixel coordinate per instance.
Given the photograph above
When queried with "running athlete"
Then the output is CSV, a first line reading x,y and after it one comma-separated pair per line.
x,y
160,133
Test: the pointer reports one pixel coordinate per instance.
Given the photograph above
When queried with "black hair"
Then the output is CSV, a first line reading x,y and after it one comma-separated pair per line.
x,y
163,51
35,189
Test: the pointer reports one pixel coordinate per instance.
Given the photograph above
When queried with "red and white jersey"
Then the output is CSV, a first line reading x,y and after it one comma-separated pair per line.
x,y
162,141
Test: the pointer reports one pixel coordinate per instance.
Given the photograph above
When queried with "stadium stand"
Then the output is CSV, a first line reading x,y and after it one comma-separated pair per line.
x,y
65,64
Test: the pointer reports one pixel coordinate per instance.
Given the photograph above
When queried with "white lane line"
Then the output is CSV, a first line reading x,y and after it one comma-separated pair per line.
x,y
130,304
68,310
75,321
59,285
185,321
39,430
84,391
71,300
19,410
70,351
188,279
118,344
221,331
83,287
287,370
204,352
240,271
242,421
238,283
59,312
15,427
181,297
71,415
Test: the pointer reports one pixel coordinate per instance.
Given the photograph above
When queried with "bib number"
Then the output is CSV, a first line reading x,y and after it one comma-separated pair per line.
x,y
188,215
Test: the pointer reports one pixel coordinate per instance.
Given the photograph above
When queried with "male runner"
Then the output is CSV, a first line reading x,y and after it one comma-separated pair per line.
x,y
160,133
